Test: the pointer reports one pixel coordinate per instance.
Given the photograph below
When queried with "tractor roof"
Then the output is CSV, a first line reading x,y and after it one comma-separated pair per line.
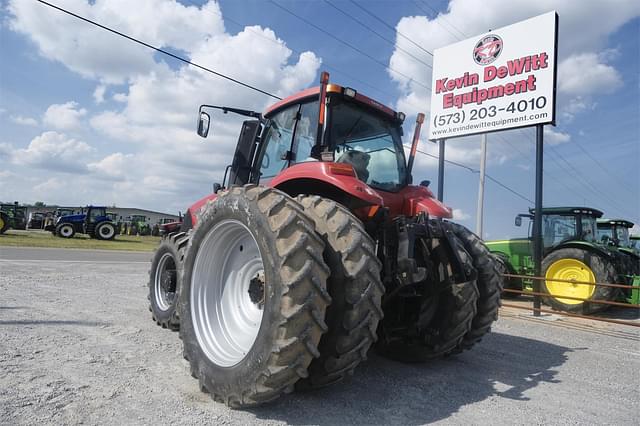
x,y
618,222
570,211
314,92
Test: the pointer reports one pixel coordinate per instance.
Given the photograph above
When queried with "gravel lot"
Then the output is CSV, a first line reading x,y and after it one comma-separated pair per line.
x,y
77,345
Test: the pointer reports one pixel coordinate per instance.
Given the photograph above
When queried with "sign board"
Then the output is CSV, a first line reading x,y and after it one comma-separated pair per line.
x,y
500,80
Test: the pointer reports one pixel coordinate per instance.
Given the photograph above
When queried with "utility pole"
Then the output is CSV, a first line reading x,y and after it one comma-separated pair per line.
x,y
483,163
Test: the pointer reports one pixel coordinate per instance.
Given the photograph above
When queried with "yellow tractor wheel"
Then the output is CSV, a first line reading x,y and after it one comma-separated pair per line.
x,y
574,270
4,224
582,266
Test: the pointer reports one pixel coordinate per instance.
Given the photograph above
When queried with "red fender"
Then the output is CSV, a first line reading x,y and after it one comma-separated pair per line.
x,y
414,199
339,175
194,209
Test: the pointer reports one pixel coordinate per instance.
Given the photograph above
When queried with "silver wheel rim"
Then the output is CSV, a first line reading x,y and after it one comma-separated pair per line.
x,y
66,230
226,317
106,231
164,297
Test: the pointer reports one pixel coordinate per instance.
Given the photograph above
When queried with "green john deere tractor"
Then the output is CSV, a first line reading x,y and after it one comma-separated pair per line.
x,y
12,216
139,225
615,233
571,252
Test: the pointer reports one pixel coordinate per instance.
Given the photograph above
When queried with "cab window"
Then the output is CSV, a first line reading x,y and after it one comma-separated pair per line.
x,y
277,142
306,129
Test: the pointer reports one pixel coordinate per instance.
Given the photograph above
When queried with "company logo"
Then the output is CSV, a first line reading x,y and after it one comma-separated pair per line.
x,y
487,49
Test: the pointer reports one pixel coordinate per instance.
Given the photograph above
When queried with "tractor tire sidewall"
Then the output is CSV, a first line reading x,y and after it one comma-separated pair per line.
x,y
489,284
503,266
355,287
602,269
60,226
166,318
4,223
238,385
98,231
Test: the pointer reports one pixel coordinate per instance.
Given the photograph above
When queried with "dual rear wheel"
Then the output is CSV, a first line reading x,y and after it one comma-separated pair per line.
x,y
279,294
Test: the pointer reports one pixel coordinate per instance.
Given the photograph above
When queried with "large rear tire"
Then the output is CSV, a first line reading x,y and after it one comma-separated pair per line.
x,y
580,265
489,284
253,298
355,287
4,223
165,277
441,322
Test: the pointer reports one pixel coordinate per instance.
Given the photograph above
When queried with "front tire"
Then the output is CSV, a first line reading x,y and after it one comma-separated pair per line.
x,y
165,277
580,265
253,297
355,287
65,230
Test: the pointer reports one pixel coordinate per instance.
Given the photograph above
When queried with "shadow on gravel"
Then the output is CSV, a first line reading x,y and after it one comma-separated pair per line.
x,y
7,308
387,392
53,322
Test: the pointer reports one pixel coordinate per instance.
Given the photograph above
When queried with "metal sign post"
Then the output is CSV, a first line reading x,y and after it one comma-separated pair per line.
x,y
537,220
483,164
440,169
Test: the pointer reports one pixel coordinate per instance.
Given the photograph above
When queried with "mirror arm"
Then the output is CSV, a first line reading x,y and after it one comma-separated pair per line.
x,y
245,112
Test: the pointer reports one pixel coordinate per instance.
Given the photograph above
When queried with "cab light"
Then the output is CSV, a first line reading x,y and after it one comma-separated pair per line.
x,y
349,92
342,169
400,116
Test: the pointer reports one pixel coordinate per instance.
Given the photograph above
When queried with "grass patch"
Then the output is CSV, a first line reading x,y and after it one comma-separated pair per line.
x,y
15,238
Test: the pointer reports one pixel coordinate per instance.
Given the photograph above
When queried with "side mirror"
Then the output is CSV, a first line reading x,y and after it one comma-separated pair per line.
x,y
216,187
203,124
518,221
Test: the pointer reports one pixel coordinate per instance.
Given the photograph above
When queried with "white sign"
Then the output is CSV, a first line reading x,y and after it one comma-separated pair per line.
x,y
496,81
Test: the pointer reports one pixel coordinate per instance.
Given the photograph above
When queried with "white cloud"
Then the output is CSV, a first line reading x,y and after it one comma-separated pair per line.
x,y
65,116
53,151
98,93
458,214
25,121
117,166
553,137
584,74
97,54
574,106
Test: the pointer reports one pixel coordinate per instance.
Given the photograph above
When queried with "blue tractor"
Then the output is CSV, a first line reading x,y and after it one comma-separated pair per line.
x,y
93,221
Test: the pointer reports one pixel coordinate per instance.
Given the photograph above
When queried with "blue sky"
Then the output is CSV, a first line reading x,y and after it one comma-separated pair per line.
x,y
86,117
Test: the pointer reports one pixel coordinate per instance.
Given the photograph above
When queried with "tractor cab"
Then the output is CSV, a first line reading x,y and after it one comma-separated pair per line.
x,y
634,243
564,224
344,145
614,232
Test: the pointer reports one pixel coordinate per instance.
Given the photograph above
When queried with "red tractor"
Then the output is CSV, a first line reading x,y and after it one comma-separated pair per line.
x,y
317,248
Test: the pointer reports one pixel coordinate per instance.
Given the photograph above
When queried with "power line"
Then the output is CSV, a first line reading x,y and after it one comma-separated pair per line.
x,y
261,35
443,18
475,171
349,45
603,168
377,18
377,33
135,40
